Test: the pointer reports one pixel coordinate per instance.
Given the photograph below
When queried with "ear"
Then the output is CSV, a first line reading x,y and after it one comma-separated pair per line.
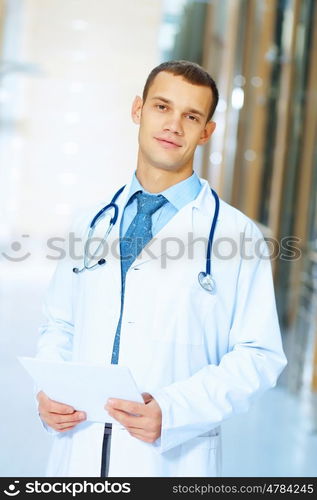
x,y
136,109
207,132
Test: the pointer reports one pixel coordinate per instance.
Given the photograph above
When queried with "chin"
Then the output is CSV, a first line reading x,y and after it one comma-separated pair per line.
x,y
166,163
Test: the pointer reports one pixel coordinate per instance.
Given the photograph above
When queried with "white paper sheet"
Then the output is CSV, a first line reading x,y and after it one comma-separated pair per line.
x,y
86,387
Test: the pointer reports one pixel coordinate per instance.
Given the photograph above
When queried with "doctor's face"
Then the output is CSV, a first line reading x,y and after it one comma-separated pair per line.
x,y
172,122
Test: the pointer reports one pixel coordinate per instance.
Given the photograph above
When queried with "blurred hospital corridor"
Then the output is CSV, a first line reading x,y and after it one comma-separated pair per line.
x,y
69,71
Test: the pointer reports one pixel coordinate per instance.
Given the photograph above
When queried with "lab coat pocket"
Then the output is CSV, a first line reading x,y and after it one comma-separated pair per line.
x,y
204,441
201,456
180,318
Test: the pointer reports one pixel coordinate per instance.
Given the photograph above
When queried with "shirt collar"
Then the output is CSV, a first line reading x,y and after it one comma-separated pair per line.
x,y
178,195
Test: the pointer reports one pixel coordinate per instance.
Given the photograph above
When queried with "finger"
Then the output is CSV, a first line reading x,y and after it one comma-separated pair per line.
x,y
60,408
75,417
138,431
125,419
55,418
67,425
41,395
127,406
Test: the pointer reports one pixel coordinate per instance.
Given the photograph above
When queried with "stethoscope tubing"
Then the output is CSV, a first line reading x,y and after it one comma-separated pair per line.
x,y
112,205
212,232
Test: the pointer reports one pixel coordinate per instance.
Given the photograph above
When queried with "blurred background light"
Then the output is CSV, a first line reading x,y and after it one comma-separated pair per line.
x,y
79,25
70,148
62,209
215,158
67,178
76,87
250,155
239,80
256,81
237,98
72,117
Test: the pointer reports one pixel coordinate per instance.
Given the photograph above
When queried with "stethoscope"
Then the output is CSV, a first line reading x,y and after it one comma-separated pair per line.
x,y
205,278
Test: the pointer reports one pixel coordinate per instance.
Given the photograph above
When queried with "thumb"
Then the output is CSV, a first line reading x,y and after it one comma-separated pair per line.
x,y
147,397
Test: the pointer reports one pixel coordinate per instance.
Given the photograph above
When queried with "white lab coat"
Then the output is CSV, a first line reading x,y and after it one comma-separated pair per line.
x,y
203,357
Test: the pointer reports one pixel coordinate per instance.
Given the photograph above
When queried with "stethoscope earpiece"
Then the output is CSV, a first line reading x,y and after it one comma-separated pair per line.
x,y
100,262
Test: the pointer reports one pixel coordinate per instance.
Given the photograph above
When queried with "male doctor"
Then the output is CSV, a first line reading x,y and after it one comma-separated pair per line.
x,y
199,357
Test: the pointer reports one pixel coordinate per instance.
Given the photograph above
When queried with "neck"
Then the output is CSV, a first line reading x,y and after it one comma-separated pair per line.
x,y
156,180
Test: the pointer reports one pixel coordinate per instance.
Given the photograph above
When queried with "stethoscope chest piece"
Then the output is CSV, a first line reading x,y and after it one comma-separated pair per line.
x,y
207,282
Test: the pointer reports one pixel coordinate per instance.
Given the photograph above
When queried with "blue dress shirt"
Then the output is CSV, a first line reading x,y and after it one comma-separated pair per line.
x,y
177,197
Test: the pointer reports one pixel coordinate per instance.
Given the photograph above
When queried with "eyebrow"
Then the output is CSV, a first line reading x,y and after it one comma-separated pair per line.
x,y
167,101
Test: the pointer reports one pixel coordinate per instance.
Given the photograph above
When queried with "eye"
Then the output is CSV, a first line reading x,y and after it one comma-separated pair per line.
x,y
192,118
161,107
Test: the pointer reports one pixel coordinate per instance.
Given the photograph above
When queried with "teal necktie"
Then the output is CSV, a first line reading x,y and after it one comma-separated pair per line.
x,y
138,234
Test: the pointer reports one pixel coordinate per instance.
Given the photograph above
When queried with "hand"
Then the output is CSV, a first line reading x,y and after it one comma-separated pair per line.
x,y
59,416
145,423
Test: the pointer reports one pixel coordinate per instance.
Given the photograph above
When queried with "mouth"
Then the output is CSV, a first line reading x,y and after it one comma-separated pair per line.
x,y
167,144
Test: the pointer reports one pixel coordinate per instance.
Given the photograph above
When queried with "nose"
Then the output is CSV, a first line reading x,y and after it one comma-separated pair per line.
x,y
174,125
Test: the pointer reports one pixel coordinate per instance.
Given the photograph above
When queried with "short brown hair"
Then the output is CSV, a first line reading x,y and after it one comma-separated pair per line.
x,y
191,72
